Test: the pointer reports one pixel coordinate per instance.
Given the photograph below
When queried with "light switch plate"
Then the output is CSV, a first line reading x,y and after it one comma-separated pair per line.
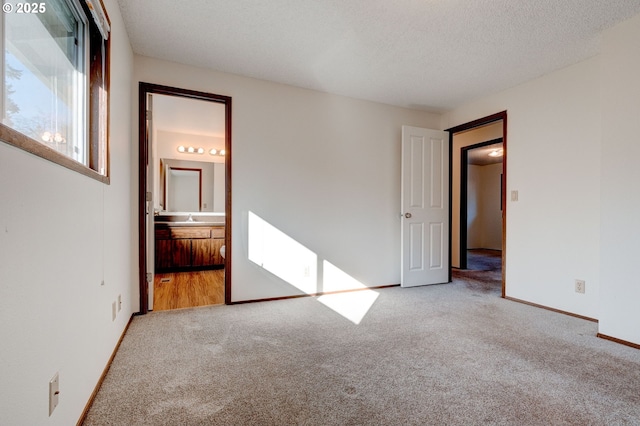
x,y
54,393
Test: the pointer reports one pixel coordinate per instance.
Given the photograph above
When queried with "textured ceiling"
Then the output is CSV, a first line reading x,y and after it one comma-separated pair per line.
x,y
427,54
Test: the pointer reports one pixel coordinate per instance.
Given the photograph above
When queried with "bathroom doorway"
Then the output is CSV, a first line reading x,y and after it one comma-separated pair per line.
x,y
185,202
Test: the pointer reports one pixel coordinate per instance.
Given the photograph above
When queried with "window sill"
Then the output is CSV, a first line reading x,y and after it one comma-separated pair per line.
x,y
11,137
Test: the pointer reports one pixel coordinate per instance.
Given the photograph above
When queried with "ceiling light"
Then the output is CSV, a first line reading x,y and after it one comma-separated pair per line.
x,y
496,153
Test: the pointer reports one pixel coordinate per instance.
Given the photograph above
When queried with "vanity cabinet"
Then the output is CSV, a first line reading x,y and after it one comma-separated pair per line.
x,y
188,247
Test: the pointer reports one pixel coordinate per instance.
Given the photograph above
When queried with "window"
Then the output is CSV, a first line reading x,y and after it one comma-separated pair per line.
x,y
56,80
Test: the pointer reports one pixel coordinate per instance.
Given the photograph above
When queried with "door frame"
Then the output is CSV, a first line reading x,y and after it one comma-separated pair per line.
x,y
146,89
502,115
464,186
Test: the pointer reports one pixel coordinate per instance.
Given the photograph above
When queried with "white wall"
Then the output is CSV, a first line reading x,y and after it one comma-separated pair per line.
x,y
491,230
167,143
62,234
620,205
553,160
322,169
460,140
219,191
474,208
484,217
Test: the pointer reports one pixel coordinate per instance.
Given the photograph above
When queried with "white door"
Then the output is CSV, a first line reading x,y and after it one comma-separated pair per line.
x,y
425,207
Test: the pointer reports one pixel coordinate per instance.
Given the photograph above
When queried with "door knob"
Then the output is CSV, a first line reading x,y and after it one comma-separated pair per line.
x,y
407,215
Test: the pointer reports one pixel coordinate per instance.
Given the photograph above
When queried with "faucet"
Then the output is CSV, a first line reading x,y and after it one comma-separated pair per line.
x,y
190,218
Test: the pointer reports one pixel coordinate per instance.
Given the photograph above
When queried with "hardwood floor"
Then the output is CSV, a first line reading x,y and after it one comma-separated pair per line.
x,y
188,289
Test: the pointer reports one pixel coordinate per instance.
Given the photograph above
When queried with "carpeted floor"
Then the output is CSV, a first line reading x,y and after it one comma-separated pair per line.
x,y
484,260
452,354
484,271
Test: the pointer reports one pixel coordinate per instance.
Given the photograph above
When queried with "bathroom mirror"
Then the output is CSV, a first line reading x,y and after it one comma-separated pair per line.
x,y
184,189
192,186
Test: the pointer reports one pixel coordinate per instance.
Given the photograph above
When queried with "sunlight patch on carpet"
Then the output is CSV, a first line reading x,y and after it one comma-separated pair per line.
x,y
352,305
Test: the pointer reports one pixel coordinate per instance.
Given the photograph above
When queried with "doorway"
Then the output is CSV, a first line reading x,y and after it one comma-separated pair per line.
x,y
184,197
487,132
480,201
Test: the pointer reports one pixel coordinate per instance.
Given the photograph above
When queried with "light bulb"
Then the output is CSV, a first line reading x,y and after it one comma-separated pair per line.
x,y
181,148
213,152
222,152
200,150
191,150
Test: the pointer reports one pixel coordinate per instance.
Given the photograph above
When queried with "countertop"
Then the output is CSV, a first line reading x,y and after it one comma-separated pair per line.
x,y
187,224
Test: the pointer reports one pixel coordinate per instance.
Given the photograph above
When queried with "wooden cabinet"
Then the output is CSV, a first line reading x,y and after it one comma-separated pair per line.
x,y
188,247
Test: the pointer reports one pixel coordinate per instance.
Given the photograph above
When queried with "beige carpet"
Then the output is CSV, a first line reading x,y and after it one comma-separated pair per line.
x,y
449,354
483,273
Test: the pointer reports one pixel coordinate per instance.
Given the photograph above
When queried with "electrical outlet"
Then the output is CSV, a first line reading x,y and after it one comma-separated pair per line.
x,y
54,393
307,271
113,311
119,302
580,286
514,195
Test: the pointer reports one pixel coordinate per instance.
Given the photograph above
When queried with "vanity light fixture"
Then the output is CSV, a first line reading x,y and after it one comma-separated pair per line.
x,y
214,151
190,150
496,153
